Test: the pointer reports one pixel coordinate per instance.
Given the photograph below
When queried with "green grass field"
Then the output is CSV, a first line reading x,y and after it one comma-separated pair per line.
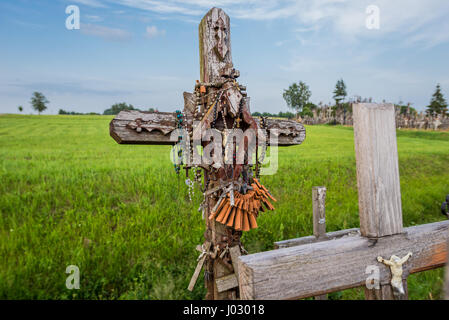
x,y
70,195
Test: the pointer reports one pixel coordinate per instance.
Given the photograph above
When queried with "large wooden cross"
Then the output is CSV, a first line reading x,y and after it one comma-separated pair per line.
x,y
223,103
381,251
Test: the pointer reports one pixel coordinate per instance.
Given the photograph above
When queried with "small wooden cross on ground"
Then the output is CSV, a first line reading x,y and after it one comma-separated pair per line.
x,y
233,194
378,256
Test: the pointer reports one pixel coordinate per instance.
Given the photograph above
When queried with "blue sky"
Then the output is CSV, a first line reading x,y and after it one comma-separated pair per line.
x,y
145,52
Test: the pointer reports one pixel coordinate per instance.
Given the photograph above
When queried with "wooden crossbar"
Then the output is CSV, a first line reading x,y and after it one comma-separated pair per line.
x,y
139,127
312,239
329,266
325,266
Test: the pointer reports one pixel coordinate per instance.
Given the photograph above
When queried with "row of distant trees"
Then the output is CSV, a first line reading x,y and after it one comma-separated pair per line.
x,y
287,115
116,108
297,97
73,113
39,103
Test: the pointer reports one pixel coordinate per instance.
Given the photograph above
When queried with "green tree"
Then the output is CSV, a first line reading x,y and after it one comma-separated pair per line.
x,y
438,104
116,108
39,102
20,108
340,92
308,109
406,109
297,96
288,115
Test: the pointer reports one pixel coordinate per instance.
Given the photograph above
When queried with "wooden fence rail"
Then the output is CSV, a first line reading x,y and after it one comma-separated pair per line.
x,y
326,263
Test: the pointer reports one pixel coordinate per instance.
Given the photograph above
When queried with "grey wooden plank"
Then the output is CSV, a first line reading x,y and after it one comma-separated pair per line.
x,y
329,266
156,127
312,239
380,207
227,282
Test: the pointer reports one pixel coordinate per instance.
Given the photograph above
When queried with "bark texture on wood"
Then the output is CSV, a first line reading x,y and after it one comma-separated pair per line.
x,y
215,45
329,266
156,128
215,56
227,282
380,207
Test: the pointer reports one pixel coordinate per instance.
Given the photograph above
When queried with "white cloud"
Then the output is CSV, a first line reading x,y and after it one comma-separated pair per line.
x,y
111,34
160,6
91,3
93,18
345,18
153,31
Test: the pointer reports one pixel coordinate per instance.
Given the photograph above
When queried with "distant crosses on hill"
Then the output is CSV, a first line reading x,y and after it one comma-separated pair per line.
x,y
39,102
438,105
405,109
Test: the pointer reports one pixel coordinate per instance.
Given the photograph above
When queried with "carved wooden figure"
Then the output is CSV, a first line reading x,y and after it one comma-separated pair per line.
x,y
233,197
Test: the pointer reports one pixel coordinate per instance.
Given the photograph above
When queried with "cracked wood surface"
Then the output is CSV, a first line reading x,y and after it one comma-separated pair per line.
x,y
376,152
156,128
329,266
312,239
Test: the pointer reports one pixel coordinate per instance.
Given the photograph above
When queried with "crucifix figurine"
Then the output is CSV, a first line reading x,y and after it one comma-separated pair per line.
x,y
395,263
217,117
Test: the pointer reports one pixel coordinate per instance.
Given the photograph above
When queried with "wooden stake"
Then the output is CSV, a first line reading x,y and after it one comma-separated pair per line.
x,y
447,275
376,150
319,219
319,211
380,208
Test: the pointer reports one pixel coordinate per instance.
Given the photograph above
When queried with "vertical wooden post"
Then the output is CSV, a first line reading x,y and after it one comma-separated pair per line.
x,y
385,292
215,54
380,207
319,211
446,289
377,170
319,219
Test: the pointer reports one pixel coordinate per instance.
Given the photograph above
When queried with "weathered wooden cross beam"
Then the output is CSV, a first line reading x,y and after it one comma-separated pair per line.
x,y
151,128
223,104
316,267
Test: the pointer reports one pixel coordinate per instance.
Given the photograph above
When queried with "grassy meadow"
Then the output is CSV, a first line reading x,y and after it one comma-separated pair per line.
x,y
70,195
